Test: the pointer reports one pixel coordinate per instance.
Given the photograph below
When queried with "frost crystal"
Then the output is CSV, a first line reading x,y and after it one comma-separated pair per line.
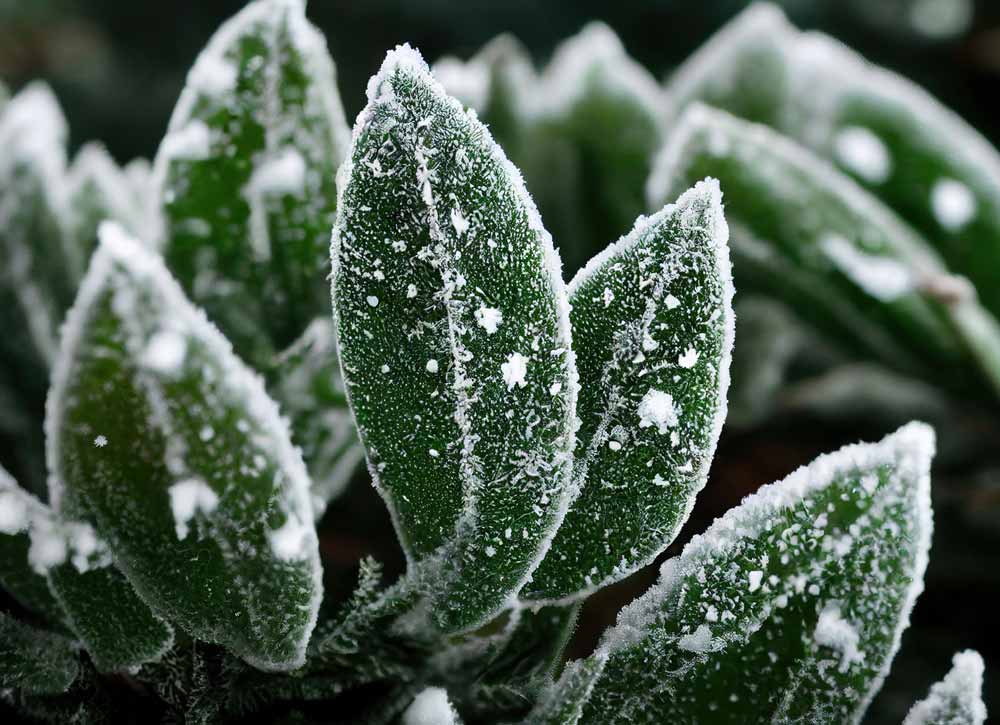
x,y
657,408
514,370
955,700
188,498
835,632
430,707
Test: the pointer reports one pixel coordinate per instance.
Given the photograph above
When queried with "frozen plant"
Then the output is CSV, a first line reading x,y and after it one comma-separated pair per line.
x,y
534,441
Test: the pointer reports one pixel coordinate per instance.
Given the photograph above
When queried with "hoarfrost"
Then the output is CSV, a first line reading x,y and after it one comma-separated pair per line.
x,y
953,204
657,408
835,632
884,278
955,700
188,498
430,707
514,370
489,318
864,153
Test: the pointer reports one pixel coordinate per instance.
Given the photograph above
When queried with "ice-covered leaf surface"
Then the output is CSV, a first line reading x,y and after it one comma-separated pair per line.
x,y
653,333
40,269
246,177
34,661
454,338
807,585
307,384
893,137
96,190
62,571
596,120
955,700
163,440
809,235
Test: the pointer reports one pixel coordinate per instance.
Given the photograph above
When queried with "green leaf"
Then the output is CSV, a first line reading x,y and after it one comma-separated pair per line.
x,y
653,333
163,440
808,585
563,703
306,381
596,121
893,137
808,235
955,700
36,662
40,268
19,574
96,190
454,337
246,177
61,570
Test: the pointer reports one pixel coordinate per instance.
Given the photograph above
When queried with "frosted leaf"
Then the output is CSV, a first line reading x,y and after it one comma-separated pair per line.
x,y
306,381
886,131
845,262
596,118
649,422
40,267
484,445
245,178
60,570
33,661
840,563
255,594
431,707
955,700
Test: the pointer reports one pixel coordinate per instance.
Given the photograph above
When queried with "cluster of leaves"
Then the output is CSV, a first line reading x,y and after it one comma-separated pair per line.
x,y
534,441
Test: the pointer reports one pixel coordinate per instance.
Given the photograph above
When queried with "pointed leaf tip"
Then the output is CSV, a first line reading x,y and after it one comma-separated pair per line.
x,y
147,406
957,699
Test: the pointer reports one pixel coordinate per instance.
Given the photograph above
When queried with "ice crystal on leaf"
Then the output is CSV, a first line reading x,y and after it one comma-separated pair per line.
x,y
955,700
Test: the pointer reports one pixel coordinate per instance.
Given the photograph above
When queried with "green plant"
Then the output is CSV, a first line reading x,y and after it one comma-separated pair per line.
x,y
533,441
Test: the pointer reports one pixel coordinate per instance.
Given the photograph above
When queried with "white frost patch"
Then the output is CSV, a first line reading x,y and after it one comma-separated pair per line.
x,y
489,318
284,173
514,370
190,143
657,408
164,353
754,578
609,296
958,698
671,302
863,153
883,278
688,359
187,498
13,513
458,221
699,641
952,203
835,632
432,366
430,707
292,540
213,75
372,300
48,546
100,441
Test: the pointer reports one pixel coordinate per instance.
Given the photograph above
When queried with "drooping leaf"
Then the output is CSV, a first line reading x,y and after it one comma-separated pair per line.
x,y
60,570
596,122
306,382
955,700
97,190
893,137
653,333
807,585
454,337
163,440
34,661
246,177
804,233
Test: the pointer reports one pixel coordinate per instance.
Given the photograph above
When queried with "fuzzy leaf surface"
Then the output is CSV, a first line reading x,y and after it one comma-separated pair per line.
x,y
34,661
955,700
653,333
841,259
808,584
163,440
246,177
454,338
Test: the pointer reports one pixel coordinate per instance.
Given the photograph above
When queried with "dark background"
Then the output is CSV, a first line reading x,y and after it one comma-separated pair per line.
x,y
118,68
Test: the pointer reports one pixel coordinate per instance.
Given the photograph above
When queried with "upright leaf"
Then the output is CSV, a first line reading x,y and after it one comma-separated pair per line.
x,y
306,381
246,177
454,338
955,700
893,137
96,190
62,571
163,440
808,585
806,234
653,333
597,121
33,661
